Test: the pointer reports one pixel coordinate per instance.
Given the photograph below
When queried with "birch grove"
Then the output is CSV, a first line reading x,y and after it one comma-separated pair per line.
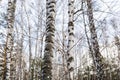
x,y
59,40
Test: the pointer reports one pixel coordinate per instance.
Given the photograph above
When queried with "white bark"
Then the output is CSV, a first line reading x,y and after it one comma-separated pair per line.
x,y
49,41
9,42
70,52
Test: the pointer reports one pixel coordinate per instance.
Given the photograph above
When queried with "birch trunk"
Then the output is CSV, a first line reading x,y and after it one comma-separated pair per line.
x,y
30,53
98,58
9,42
49,41
70,52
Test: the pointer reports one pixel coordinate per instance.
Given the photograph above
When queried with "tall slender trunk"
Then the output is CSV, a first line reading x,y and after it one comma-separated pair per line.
x,y
87,37
49,41
20,37
30,53
63,48
94,43
21,48
70,52
9,42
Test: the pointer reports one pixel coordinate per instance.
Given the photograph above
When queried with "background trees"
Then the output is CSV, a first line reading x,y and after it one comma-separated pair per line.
x,y
95,22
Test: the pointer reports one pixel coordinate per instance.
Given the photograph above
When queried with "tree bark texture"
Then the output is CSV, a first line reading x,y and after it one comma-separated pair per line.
x,y
70,52
49,41
98,58
8,66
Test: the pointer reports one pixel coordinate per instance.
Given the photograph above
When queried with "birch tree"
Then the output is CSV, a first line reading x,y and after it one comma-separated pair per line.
x,y
70,52
20,47
98,58
49,41
9,41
